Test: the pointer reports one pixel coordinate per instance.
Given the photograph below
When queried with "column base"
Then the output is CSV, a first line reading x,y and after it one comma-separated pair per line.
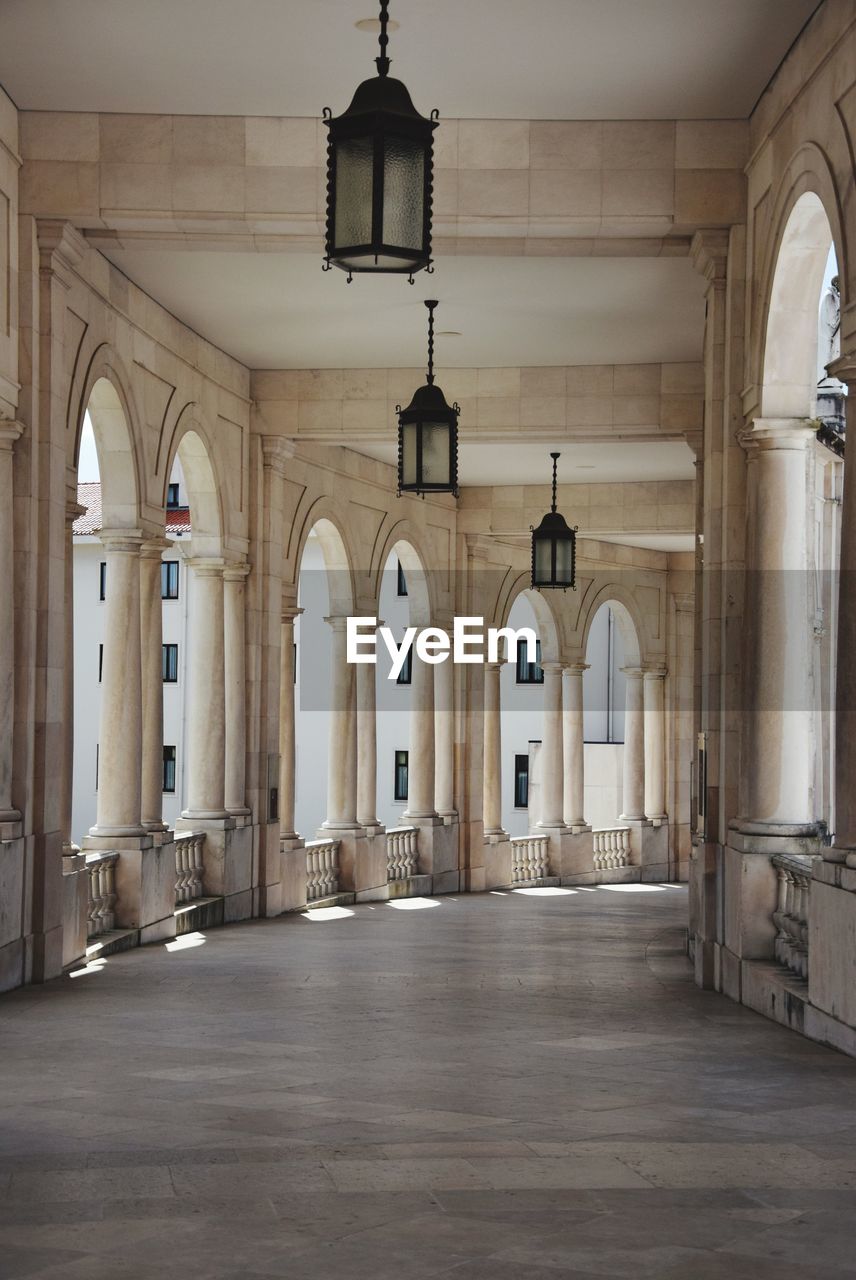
x,y
106,834
784,830
205,815
438,852
99,840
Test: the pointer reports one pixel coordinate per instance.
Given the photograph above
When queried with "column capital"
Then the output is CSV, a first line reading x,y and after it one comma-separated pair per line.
x,y
290,612
553,666
844,368
337,621
654,673
10,431
122,541
278,452
777,433
153,548
236,572
633,673
73,510
494,666
206,566
575,668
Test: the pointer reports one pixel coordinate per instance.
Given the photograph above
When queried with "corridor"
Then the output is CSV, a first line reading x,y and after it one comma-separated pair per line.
x,y
507,1086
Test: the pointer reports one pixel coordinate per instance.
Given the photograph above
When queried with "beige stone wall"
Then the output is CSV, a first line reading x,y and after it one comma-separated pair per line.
x,y
644,185
9,167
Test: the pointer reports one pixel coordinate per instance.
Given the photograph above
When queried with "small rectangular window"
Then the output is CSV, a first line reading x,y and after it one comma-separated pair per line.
x,y
405,675
169,580
96,764
170,663
401,581
172,497
100,661
401,775
102,580
294,673
521,782
529,672
169,769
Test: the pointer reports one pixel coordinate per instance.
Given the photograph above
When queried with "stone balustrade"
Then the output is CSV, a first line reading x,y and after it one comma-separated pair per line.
x,y
322,869
791,914
402,853
188,865
611,847
530,858
102,893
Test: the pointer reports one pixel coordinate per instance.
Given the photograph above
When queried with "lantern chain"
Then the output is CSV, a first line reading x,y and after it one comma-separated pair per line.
x,y
555,457
383,60
430,304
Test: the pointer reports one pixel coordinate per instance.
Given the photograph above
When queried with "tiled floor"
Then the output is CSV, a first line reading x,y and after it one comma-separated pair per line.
x,y
499,1087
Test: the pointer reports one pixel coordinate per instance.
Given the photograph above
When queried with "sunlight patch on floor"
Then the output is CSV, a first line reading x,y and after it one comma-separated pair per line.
x,y
321,914
413,904
544,891
186,941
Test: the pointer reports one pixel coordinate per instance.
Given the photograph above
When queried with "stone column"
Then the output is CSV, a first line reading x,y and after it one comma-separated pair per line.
x,y
574,747
492,786
342,761
120,745
73,509
655,744
151,642
844,848
444,739
634,747
777,772
420,793
9,433
286,725
552,780
235,676
206,710
367,745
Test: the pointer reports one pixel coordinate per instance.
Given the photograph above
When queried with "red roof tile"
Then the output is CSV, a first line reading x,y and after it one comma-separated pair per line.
x,y
89,496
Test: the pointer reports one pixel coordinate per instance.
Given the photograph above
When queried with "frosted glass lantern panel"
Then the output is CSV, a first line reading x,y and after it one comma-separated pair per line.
x,y
354,166
564,565
543,560
408,454
435,453
403,193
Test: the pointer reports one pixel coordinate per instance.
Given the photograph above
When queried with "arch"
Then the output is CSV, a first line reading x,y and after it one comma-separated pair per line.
x,y
106,396
321,519
548,626
627,616
807,220
402,541
191,444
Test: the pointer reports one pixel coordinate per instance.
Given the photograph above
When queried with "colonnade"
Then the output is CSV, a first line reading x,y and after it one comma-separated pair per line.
x,y
130,769
562,756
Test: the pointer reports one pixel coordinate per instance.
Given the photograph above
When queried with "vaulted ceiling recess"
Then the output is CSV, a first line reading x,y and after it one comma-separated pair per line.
x,y
380,160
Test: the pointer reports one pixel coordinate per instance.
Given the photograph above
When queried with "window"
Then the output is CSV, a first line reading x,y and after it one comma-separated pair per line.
x,y
401,775
170,663
172,497
529,672
169,580
401,582
102,580
294,673
169,769
96,765
521,782
405,675
100,661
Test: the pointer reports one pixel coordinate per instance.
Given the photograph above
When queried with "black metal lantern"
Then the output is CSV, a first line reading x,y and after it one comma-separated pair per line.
x,y
554,548
428,435
380,166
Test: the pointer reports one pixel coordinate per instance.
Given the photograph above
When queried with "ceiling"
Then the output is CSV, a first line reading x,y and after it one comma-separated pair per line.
x,y
548,59
481,464
281,311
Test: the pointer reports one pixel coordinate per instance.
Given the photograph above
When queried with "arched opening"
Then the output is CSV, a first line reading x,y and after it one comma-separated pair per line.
x,y
522,712
106,488
802,340
322,689
604,694
403,601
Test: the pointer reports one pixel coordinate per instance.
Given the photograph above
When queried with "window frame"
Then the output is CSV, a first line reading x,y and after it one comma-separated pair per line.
x,y
405,675
519,774
172,490
402,762
167,576
169,762
400,581
169,663
102,580
529,672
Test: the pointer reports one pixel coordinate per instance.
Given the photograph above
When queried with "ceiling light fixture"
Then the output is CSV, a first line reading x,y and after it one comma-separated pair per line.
x,y
380,168
428,434
554,548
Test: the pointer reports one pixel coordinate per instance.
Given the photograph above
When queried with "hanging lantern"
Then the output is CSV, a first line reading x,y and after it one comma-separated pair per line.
x,y
554,548
428,435
380,165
